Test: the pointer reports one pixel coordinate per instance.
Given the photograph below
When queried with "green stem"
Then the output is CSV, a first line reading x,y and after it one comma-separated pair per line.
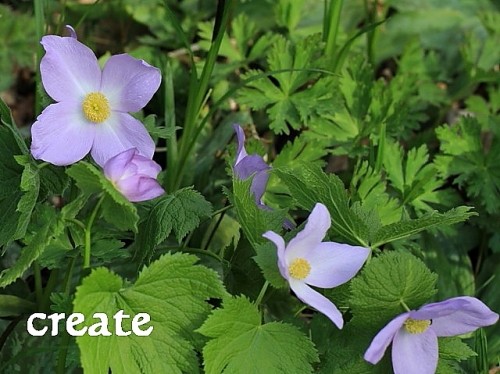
x,y
42,165
262,293
203,252
38,283
403,304
63,351
381,148
371,17
214,230
10,328
332,28
169,114
76,222
51,284
88,230
222,210
67,277
39,26
198,89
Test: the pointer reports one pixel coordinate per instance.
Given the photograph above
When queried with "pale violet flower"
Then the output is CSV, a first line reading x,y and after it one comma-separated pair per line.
x,y
247,165
134,175
92,105
414,334
307,261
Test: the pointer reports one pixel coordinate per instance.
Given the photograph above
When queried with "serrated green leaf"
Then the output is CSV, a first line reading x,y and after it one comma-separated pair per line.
x,y
290,62
301,150
173,291
419,185
253,220
472,165
30,186
53,180
308,185
454,349
371,190
404,229
180,212
52,228
7,120
386,282
10,179
116,209
241,344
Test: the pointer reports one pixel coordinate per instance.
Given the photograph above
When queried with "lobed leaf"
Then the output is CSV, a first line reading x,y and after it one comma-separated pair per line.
x,y
241,344
180,212
173,291
387,281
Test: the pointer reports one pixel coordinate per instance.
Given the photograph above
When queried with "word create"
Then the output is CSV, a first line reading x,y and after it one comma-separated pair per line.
x,y
97,329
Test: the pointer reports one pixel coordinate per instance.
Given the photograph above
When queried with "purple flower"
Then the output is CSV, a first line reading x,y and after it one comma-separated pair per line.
x,y
91,109
134,175
247,165
306,260
414,334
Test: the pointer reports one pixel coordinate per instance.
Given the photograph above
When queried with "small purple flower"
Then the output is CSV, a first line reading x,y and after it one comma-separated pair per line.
x,y
414,334
306,260
247,165
134,175
92,105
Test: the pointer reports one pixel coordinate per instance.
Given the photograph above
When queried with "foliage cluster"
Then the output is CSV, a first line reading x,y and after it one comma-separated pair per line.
x,y
387,114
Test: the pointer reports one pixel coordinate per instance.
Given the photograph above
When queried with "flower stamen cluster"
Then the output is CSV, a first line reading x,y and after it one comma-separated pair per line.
x,y
96,107
416,326
299,268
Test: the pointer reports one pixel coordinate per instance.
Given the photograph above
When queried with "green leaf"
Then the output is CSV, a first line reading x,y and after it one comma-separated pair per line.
x,y
30,186
404,229
52,228
290,62
241,344
10,179
472,165
53,180
267,259
301,150
14,306
308,185
180,212
454,349
253,220
116,209
385,282
173,291
371,190
419,185
7,120
448,258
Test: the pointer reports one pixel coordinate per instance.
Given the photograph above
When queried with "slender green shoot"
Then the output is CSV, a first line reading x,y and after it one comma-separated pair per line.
x,y
332,25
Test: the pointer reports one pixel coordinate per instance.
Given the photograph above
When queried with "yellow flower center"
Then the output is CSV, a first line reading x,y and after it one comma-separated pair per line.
x,y
417,326
95,107
299,268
